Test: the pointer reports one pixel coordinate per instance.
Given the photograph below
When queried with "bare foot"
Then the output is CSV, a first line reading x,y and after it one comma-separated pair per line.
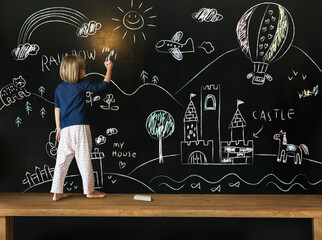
x,y
96,194
58,196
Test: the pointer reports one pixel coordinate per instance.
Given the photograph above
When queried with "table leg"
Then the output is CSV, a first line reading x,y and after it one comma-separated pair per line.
x,y
317,228
6,228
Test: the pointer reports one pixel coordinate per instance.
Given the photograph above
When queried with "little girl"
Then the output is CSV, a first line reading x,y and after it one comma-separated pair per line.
x,y
73,131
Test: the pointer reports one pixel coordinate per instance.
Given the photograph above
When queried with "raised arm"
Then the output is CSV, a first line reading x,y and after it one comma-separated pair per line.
x,y
109,65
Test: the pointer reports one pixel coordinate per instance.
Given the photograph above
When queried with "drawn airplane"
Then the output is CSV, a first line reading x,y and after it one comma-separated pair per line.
x,y
174,47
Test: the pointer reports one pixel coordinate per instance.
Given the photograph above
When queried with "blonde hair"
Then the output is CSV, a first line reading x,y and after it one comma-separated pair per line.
x,y
71,68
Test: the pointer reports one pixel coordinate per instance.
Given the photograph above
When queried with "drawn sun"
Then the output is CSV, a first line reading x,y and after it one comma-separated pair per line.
x,y
134,20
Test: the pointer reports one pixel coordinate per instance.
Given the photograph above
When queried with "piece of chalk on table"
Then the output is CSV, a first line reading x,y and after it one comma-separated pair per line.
x,y
143,198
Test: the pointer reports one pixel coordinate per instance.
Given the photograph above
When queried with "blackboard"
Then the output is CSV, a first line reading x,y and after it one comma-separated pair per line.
x,y
206,97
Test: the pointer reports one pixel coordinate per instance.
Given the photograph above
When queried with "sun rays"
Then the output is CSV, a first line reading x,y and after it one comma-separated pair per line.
x,y
134,20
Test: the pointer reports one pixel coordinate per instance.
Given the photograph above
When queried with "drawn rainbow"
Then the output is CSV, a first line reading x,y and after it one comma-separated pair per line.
x,y
47,15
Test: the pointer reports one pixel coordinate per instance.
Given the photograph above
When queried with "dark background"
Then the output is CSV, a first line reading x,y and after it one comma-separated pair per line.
x,y
23,148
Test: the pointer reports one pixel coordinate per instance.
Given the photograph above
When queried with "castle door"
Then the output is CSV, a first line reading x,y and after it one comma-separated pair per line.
x,y
197,157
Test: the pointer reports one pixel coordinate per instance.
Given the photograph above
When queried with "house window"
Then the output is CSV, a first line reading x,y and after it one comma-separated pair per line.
x,y
210,103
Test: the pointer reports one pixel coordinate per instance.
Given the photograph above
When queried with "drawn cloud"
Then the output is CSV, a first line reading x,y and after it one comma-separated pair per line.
x,y
207,15
24,50
207,46
88,29
111,131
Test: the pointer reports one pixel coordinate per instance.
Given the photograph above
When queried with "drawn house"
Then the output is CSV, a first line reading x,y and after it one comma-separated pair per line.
x,y
97,157
194,149
237,150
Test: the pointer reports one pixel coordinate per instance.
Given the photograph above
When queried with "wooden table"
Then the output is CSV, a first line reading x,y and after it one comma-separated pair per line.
x,y
163,205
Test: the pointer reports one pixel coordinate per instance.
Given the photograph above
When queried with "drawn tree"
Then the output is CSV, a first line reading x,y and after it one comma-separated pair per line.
x,y
144,76
155,79
28,107
18,121
41,90
42,112
160,125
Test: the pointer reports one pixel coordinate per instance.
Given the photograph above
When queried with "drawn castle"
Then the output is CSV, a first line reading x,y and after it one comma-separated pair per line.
x,y
202,143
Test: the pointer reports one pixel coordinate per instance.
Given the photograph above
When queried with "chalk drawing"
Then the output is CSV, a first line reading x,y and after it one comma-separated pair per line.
x,y
100,140
89,28
286,150
18,121
207,47
70,16
28,107
275,35
131,178
196,185
237,150
46,174
155,79
307,93
42,112
141,86
216,189
297,180
90,99
109,99
160,125
288,189
236,185
255,135
41,90
201,146
122,164
13,91
111,131
144,76
52,144
207,15
134,20
174,47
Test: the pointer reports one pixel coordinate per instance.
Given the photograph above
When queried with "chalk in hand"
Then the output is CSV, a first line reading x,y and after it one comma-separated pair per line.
x,y
143,198
109,56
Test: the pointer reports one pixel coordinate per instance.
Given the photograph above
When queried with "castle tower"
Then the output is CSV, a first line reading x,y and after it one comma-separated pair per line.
x,y
191,129
236,126
194,150
210,104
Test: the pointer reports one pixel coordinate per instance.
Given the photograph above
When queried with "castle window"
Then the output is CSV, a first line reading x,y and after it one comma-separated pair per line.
x,y
210,103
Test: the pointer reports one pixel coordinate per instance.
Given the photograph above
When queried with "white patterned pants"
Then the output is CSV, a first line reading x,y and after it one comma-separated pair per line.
x,y
75,141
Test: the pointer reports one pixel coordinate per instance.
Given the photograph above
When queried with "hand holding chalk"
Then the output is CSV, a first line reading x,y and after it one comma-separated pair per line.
x,y
108,64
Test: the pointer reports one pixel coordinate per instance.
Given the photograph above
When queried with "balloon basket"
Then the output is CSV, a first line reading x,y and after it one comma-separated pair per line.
x,y
260,69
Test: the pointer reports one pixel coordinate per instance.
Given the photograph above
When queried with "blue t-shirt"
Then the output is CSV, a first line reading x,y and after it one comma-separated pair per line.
x,y
71,99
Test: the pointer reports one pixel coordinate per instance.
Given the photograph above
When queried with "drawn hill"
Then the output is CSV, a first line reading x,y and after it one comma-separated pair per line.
x,y
275,106
132,145
131,155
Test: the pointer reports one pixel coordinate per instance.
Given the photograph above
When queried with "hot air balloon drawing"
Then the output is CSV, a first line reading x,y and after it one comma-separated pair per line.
x,y
265,32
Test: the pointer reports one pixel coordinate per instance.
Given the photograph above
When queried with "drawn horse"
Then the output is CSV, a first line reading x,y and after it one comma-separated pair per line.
x,y
289,150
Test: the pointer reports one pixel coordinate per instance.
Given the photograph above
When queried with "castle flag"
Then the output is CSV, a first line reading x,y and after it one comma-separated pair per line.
x,y
239,102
